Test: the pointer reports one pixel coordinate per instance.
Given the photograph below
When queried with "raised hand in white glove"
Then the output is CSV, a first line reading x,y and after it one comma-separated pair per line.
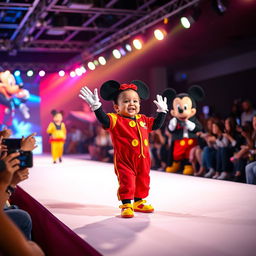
x,y
190,125
91,98
172,124
161,104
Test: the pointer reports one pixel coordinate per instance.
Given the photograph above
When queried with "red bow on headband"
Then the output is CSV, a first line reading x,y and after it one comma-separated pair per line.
x,y
128,86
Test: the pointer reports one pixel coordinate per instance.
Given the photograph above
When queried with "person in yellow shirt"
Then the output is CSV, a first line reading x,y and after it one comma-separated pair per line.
x,y
57,131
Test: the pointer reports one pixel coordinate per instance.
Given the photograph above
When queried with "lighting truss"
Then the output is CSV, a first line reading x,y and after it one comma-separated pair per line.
x,y
166,11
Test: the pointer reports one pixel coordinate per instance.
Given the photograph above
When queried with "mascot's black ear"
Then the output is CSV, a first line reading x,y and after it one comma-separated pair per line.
x,y
109,90
142,89
170,94
196,92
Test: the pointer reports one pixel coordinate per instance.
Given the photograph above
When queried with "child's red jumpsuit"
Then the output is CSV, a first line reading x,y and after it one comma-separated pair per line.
x,y
131,154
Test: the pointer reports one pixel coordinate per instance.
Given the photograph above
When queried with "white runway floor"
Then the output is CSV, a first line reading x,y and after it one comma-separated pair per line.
x,y
194,216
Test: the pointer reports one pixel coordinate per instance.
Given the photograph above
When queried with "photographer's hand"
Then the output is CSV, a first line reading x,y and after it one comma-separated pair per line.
x,y
18,176
11,166
6,133
3,148
28,143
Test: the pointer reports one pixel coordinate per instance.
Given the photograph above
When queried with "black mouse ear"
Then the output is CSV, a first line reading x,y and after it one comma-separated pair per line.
x,y
142,89
196,92
109,90
170,94
53,112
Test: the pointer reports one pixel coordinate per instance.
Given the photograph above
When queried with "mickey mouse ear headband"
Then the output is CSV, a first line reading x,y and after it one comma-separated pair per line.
x,y
110,89
55,112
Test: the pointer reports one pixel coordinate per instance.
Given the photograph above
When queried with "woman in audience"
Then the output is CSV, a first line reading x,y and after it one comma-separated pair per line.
x,y
241,158
208,150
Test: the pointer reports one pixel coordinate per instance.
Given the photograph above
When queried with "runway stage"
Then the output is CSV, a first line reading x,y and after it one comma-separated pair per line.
x,y
194,216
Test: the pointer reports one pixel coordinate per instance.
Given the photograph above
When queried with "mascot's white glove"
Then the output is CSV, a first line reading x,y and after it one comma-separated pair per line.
x,y
190,125
173,123
161,104
91,98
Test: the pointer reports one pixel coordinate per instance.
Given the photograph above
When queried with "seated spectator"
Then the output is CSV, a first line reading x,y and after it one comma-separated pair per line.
x,y
101,147
21,218
208,150
250,173
12,241
248,112
75,136
158,150
242,157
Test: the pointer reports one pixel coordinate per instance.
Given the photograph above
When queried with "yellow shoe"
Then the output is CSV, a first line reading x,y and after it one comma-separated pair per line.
x,y
139,206
174,168
127,211
188,170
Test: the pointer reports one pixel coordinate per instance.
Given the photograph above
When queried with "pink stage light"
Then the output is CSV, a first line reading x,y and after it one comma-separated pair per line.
x,y
72,74
41,73
61,73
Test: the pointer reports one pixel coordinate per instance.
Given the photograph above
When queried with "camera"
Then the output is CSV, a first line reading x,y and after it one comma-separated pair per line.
x,y
25,157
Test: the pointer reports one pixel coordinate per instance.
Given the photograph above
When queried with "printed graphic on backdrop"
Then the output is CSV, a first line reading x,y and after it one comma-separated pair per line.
x,y
19,106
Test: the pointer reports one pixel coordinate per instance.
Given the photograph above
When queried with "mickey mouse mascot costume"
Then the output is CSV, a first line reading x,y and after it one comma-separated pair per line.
x,y
183,126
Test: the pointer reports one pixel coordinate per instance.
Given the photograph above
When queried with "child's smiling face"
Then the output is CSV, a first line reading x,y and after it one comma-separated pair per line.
x,y
128,103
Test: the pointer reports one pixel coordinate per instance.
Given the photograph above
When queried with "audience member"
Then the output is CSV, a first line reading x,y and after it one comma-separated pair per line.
x,y
248,112
250,172
12,241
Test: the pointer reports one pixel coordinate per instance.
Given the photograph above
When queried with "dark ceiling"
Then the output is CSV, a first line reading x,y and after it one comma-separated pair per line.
x,y
35,32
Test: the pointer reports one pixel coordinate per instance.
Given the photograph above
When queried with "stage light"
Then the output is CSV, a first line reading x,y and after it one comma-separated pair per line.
x,y
91,65
193,16
17,73
78,71
186,22
137,43
159,34
128,47
61,73
30,73
96,63
219,6
116,53
166,20
102,60
83,69
122,51
72,73
41,73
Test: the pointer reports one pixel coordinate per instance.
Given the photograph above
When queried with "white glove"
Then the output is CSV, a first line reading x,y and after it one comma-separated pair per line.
x,y
173,123
91,98
190,125
24,110
161,104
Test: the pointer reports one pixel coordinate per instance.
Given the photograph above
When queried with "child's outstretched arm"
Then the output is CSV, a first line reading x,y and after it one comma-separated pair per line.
x,y
93,101
162,110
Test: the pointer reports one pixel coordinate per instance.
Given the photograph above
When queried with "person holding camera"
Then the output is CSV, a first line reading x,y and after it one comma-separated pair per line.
x,y
12,241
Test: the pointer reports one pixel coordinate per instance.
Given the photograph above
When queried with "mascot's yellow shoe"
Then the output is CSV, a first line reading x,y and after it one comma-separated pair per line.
x,y
174,168
188,170
140,206
127,211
